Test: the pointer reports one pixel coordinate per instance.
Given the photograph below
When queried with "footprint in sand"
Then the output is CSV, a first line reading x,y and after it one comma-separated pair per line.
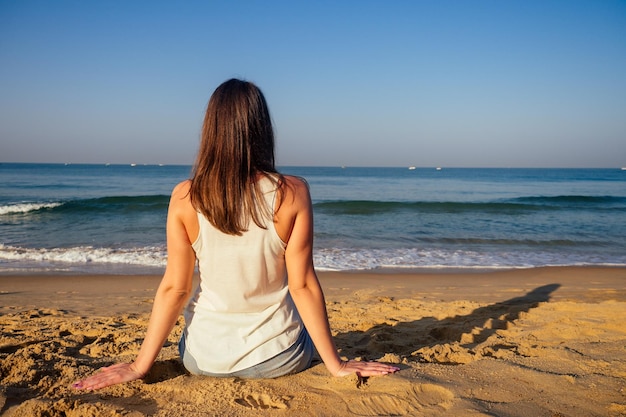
x,y
416,398
262,401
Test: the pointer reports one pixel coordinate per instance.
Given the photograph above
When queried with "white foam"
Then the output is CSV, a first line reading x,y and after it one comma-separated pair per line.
x,y
25,207
148,256
433,258
87,258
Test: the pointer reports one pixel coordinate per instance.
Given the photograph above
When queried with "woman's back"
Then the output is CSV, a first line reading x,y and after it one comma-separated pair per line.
x,y
242,298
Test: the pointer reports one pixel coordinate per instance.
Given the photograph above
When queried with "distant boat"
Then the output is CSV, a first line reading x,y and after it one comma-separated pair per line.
x,y
623,168
438,168
411,168
133,165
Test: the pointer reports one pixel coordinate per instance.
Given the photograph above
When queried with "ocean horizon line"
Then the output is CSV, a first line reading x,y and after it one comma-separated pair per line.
x,y
347,166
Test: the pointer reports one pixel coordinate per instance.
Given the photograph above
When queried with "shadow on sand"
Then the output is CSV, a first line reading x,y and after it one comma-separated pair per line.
x,y
405,338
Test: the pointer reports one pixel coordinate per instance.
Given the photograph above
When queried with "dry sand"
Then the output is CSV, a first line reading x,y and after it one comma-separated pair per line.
x,y
536,342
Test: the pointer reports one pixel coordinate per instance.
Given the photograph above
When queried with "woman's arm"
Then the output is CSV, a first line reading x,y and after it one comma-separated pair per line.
x,y
171,296
305,288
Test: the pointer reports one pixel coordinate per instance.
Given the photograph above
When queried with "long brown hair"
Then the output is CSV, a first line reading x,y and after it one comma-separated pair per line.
x,y
237,144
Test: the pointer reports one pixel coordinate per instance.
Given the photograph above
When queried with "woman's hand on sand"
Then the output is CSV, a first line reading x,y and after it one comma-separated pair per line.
x,y
109,375
365,368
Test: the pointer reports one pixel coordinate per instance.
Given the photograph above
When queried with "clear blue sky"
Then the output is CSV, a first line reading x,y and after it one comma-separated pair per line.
x,y
361,83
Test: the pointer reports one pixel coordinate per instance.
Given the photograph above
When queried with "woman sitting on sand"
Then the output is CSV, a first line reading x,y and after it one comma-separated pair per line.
x,y
259,307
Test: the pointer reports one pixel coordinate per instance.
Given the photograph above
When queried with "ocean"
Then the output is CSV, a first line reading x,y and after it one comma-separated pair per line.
x,y
57,218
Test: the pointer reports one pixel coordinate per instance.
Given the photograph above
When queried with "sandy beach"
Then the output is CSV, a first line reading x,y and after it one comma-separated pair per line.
x,y
532,342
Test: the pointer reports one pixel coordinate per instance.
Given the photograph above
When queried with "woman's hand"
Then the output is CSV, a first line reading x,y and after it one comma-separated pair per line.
x,y
365,368
110,375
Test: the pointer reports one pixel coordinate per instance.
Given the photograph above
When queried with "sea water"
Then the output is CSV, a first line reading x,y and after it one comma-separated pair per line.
x,y
111,218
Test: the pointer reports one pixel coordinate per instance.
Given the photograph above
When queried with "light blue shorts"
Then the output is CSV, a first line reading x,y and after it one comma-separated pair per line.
x,y
294,359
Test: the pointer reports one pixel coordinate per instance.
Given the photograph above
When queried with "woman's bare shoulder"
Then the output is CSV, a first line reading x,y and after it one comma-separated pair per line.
x,y
183,186
182,189
295,189
298,184
180,194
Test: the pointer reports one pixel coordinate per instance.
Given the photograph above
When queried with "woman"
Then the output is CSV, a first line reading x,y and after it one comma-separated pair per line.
x,y
259,304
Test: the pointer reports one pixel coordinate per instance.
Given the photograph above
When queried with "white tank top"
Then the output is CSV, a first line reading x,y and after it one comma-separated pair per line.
x,y
241,313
